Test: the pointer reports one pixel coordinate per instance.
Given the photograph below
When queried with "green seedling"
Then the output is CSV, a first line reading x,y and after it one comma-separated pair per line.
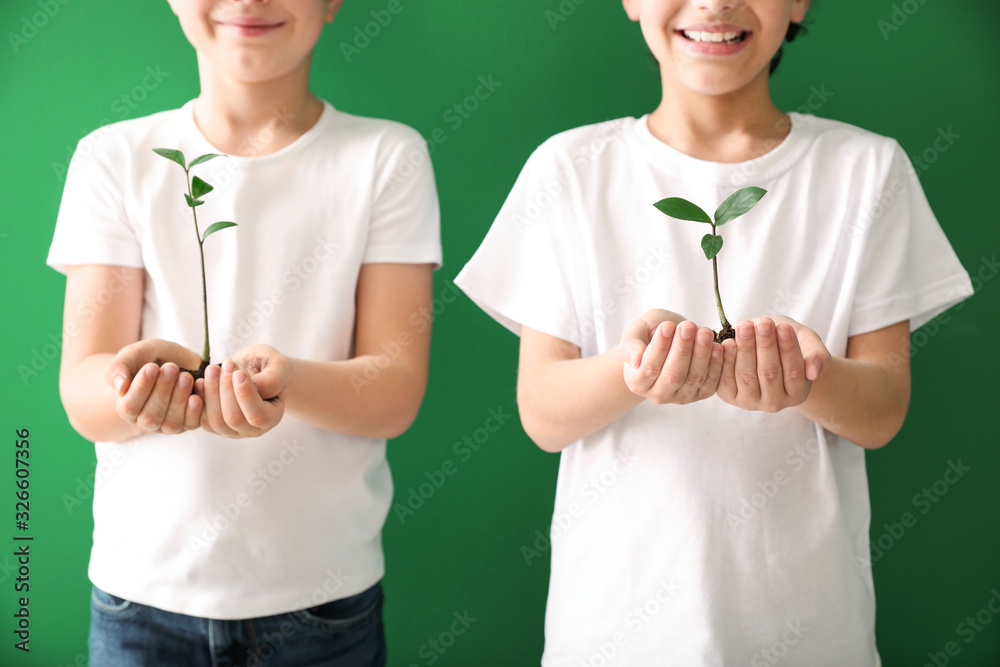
x,y
737,204
197,189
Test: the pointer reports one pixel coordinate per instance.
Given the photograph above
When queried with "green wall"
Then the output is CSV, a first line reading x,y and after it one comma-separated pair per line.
x,y
75,65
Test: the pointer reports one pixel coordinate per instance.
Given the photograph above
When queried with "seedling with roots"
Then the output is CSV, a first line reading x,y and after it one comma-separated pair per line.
x,y
197,189
737,204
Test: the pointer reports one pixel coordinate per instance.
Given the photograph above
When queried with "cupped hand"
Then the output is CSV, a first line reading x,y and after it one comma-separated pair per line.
x,y
771,364
152,393
244,397
670,360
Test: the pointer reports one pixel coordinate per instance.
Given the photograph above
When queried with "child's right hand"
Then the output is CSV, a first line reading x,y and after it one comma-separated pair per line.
x,y
670,360
151,391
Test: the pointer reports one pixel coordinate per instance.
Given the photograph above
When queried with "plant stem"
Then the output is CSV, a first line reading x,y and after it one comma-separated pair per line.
x,y
718,297
206,352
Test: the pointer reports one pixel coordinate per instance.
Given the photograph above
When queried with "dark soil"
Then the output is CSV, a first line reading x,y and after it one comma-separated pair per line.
x,y
725,333
198,374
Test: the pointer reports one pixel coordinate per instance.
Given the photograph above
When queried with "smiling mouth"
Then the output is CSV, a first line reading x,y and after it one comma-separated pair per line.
x,y
713,37
240,24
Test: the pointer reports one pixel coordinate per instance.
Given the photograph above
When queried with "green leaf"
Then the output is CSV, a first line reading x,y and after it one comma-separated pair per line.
x,y
216,227
682,209
204,158
192,202
171,154
737,204
711,244
200,188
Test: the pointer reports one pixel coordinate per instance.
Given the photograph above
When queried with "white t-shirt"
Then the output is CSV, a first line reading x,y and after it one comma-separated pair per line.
x,y
705,534
196,523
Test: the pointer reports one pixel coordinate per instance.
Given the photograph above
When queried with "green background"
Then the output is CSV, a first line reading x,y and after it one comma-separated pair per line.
x,y
461,550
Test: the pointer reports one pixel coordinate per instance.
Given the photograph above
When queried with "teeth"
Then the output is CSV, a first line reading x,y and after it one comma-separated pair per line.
x,y
717,37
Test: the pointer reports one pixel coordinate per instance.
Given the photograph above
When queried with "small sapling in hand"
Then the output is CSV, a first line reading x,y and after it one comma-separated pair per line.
x,y
197,189
736,204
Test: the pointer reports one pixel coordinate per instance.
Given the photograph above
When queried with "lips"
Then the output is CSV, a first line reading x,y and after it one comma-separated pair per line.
x,y
250,26
714,39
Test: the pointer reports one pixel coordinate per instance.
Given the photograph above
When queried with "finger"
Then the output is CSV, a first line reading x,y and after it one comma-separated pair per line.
x,y
701,357
124,367
273,378
121,383
231,410
260,414
199,393
792,364
173,422
635,338
814,352
769,371
129,405
155,410
747,383
728,388
653,357
711,384
678,363
192,412
212,412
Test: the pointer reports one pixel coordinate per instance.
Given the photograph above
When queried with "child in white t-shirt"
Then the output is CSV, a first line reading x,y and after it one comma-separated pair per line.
x,y
711,505
239,517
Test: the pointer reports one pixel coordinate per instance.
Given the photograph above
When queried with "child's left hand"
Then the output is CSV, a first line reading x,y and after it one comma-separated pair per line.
x,y
243,398
771,364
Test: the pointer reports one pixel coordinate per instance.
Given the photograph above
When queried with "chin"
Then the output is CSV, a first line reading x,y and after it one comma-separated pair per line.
x,y
712,86
716,81
253,71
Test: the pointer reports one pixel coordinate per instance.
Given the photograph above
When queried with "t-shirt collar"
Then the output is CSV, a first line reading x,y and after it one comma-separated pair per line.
x,y
777,159
187,114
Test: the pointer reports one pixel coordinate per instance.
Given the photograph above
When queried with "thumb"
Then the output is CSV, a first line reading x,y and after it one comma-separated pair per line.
x,y
634,341
632,350
124,367
814,352
272,379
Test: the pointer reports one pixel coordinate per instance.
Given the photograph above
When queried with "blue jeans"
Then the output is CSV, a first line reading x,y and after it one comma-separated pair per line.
x,y
342,633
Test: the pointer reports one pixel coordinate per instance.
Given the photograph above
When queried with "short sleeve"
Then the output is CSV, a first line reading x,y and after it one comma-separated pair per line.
x,y
92,226
405,217
909,269
521,275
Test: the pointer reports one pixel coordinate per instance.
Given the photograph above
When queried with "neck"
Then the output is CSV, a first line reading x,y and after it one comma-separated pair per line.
x,y
250,119
735,127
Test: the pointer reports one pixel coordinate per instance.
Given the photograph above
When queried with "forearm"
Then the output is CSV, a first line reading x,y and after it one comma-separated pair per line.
x,y
90,403
860,400
566,400
368,395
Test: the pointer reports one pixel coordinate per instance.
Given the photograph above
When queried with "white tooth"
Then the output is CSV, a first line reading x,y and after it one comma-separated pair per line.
x,y
704,37
730,36
716,36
